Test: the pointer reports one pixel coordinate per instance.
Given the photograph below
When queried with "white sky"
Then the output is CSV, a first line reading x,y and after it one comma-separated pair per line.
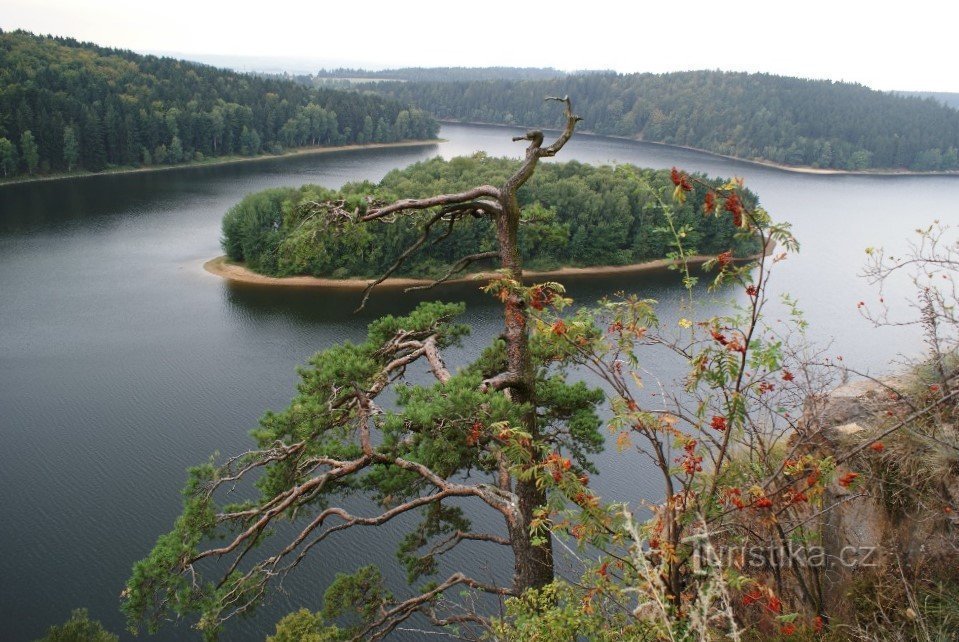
x,y
882,44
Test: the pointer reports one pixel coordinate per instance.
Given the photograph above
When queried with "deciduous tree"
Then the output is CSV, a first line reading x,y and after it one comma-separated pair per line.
x,y
31,154
9,160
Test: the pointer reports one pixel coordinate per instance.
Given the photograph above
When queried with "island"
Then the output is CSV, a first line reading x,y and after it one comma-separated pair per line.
x,y
577,219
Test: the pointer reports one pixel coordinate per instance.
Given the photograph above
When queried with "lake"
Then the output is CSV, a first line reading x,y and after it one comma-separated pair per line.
x,y
122,362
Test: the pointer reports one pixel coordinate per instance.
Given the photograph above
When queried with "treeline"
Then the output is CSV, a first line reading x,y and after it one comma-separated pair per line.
x,y
813,123
66,105
445,74
950,99
576,215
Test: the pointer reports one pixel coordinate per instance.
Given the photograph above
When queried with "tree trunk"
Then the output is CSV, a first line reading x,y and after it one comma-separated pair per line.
x,y
533,565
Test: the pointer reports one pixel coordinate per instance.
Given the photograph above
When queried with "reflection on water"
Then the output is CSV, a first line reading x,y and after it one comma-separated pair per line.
x,y
122,362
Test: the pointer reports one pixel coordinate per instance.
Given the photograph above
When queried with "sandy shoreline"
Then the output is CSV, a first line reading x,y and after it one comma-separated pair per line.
x,y
234,272
301,151
799,169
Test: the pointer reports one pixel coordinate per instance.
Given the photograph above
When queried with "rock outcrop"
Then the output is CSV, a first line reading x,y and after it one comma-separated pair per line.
x,y
899,516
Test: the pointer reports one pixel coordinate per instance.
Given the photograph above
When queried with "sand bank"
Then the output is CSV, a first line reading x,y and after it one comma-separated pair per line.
x,y
239,273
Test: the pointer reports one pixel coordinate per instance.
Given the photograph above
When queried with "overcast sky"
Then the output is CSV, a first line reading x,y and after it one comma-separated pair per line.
x,y
885,45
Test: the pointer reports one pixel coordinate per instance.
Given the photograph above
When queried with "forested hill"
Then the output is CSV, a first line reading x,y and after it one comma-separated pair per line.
x,y
445,74
66,105
575,215
754,116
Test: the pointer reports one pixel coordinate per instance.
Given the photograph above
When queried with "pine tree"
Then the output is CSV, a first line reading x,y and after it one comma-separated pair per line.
x,y
501,418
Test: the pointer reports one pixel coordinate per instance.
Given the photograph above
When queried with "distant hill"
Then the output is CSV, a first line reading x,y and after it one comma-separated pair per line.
x,y
67,105
447,74
785,120
945,97
347,78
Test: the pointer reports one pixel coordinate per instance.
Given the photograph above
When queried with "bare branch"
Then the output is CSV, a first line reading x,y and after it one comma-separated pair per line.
x,y
536,151
393,617
459,536
571,120
289,498
424,236
433,357
501,381
433,201
451,214
457,267
897,426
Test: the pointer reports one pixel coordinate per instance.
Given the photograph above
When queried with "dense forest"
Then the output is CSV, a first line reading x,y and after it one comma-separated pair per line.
x,y
66,105
815,123
575,215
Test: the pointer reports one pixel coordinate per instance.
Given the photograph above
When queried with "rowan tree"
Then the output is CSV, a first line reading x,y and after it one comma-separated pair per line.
x,y
484,432
756,467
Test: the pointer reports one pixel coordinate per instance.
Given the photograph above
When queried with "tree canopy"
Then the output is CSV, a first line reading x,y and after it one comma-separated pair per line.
x,y
79,628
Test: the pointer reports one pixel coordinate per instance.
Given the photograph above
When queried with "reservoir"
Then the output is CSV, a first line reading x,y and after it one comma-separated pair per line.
x,y
122,362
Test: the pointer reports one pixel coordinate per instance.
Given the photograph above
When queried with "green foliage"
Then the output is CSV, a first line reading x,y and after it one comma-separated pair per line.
x,y
360,594
250,228
573,214
9,160
561,613
118,104
79,628
156,575
786,120
71,148
303,626
28,147
176,150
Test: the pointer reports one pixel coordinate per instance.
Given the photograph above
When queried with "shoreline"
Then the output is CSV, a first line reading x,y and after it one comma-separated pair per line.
x,y
797,169
237,273
229,160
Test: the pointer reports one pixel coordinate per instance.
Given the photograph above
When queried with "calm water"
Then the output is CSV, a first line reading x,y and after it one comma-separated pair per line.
x,y
122,362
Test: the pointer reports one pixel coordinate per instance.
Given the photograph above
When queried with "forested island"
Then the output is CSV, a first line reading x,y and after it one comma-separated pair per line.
x,y
789,121
67,106
574,215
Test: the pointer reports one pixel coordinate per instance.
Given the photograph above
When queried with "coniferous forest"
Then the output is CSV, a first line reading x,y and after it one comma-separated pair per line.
x,y
66,106
815,123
